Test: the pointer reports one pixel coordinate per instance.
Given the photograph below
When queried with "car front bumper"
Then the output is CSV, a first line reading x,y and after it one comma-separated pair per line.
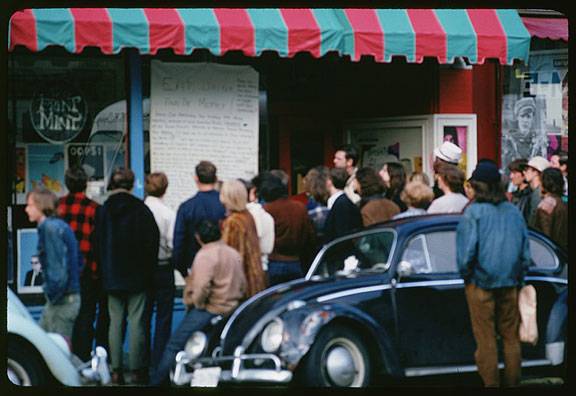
x,y
237,374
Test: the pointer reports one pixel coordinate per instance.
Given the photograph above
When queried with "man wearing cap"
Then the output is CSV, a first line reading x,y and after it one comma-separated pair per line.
x,y
493,256
526,141
532,173
446,153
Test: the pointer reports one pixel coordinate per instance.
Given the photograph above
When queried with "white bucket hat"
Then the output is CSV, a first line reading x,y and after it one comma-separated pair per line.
x,y
538,163
448,152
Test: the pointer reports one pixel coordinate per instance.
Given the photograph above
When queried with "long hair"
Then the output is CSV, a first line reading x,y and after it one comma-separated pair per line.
x,y
315,183
492,193
397,178
370,182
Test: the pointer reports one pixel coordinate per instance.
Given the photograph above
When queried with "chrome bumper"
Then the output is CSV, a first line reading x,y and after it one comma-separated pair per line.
x,y
237,374
96,371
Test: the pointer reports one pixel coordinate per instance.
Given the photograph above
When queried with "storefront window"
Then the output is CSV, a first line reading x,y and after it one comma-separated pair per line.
x,y
64,110
535,106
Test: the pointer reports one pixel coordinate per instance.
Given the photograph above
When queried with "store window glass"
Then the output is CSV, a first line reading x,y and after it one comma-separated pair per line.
x,y
535,105
65,110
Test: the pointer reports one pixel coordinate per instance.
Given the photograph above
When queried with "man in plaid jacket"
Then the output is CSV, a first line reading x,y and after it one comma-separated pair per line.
x,y
79,212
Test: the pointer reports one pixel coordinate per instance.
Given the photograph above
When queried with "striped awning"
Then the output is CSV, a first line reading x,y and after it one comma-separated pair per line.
x,y
444,34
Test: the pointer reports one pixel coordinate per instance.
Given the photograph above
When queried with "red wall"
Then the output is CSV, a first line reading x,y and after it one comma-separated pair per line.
x,y
474,91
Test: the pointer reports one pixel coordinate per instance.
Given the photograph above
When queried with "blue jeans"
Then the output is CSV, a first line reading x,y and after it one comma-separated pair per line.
x,y
283,271
195,319
162,296
556,329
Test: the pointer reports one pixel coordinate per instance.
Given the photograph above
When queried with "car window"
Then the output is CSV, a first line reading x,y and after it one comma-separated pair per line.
x,y
434,252
542,256
369,252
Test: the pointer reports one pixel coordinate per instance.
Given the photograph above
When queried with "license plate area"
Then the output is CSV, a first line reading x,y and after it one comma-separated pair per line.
x,y
206,377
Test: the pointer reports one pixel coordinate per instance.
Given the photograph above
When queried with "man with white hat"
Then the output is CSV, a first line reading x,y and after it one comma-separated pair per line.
x,y
446,153
532,173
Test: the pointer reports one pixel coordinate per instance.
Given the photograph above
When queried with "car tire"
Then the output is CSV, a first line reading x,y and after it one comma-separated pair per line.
x,y
24,366
338,358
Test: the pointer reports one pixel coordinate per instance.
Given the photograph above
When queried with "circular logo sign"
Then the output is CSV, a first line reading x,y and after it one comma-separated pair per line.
x,y
58,114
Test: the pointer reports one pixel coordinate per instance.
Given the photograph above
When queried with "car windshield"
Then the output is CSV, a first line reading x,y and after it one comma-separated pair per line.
x,y
367,252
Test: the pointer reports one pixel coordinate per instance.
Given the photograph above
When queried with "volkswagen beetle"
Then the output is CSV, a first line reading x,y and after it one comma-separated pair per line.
x,y
384,301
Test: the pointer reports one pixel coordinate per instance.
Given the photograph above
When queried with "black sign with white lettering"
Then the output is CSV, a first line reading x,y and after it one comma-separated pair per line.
x,y
58,114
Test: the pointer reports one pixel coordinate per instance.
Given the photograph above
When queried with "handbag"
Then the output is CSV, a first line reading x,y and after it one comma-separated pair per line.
x,y
527,307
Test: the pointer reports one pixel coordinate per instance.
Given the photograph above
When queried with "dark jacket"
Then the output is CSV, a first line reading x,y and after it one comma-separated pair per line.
x,y
521,198
492,246
205,205
126,240
344,216
552,219
60,257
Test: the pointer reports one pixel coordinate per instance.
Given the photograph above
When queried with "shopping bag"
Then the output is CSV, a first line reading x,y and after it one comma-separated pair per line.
x,y
527,307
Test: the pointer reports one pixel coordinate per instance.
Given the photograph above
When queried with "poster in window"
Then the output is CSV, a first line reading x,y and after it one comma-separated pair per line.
x,y
46,167
457,135
30,277
89,157
535,107
20,182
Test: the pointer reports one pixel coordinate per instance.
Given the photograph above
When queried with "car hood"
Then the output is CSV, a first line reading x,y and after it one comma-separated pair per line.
x,y
261,308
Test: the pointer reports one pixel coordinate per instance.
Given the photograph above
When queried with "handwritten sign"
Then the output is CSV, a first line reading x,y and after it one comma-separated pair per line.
x,y
202,111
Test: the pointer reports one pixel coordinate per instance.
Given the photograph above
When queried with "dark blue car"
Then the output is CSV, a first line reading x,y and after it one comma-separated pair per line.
x,y
383,301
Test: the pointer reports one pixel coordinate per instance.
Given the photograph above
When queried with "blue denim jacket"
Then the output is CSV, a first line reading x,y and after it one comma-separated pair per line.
x,y
61,258
492,246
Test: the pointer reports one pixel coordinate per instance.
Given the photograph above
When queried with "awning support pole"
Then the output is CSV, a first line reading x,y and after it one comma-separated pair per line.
x,y
136,130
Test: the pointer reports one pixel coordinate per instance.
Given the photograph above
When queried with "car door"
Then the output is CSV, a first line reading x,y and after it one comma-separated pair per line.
x,y
433,320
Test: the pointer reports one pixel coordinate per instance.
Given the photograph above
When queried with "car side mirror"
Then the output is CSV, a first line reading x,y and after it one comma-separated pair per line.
x,y
405,269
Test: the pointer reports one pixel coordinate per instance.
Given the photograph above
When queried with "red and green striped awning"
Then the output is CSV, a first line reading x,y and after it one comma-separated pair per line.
x,y
475,34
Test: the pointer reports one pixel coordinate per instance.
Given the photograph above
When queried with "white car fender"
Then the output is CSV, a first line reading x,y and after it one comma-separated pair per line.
x,y
59,363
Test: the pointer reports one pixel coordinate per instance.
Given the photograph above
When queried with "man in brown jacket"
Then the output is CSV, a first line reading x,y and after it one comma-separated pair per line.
x,y
214,287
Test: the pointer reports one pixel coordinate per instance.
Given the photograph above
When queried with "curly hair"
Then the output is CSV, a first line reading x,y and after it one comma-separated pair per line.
x,y
315,183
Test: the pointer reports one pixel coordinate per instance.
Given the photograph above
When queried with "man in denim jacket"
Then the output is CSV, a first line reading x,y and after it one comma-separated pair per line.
x,y
61,260
493,255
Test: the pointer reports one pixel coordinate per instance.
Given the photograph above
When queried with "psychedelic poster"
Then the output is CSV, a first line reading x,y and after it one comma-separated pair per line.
x,y
46,167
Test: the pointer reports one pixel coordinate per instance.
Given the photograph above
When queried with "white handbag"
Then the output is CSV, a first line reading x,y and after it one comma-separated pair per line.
x,y
527,307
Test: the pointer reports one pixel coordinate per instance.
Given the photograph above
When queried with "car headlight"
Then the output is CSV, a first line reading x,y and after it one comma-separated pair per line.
x,y
272,336
196,344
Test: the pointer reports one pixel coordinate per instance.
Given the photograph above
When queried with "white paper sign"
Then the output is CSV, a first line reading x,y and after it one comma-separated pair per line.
x,y
202,111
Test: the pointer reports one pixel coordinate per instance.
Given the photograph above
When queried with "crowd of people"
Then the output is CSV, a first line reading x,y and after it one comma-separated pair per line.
x,y
113,264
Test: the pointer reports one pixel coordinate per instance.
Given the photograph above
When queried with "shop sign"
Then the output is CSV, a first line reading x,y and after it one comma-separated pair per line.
x,y
58,115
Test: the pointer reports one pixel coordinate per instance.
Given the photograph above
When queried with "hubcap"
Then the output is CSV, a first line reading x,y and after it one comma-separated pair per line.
x,y
344,363
17,374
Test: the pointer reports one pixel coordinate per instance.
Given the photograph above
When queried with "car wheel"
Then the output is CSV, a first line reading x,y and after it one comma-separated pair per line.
x,y
24,366
338,358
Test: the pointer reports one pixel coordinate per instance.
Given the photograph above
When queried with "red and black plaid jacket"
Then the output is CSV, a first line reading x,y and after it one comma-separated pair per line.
x,y
79,212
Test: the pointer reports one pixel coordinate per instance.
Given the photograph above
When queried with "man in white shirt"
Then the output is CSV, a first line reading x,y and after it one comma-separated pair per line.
x,y
162,294
346,157
450,181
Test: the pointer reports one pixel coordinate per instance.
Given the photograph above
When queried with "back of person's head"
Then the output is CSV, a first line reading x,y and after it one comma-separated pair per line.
x,y
121,178
370,182
518,165
233,195
563,158
421,177
272,188
75,179
397,176
417,195
552,181
315,183
350,153
339,177
208,231
247,184
44,200
283,176
206,172
156,184
453,177
487,183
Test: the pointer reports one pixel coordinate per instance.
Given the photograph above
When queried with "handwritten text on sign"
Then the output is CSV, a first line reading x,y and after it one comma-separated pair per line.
x,y
202,111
